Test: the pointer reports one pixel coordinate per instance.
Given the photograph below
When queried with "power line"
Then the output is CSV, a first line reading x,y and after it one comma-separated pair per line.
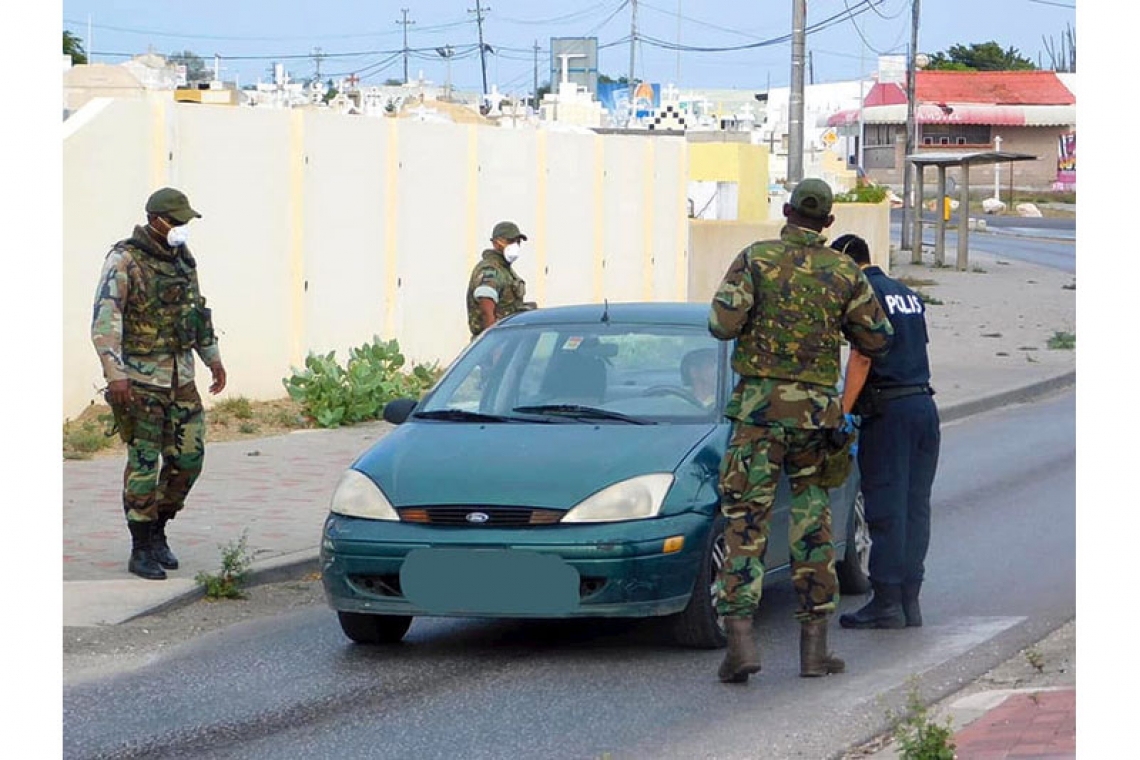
x,y
1058,5
277,38
404,23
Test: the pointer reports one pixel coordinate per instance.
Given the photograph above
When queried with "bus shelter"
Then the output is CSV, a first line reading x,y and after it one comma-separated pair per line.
x,y
943,160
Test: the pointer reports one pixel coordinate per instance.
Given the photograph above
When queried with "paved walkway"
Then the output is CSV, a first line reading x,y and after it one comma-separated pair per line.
x,y
988,348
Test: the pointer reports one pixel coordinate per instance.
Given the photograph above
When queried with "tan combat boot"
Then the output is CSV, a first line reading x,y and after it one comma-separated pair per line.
x,y
815,660
742,658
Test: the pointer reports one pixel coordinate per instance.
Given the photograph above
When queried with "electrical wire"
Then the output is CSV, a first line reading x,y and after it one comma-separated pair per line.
x,y
863,37
278,38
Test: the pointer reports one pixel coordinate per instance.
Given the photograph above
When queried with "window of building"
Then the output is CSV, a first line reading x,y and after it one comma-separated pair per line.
x,y
881,134
956,134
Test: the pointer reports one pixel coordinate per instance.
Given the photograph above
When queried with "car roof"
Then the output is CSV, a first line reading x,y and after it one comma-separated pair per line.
x,y
657,313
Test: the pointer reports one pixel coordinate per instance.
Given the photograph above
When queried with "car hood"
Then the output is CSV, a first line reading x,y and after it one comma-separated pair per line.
x,y
553,466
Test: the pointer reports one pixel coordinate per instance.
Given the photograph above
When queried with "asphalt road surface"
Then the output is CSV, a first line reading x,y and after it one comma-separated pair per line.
x,y
1052,245
1001,573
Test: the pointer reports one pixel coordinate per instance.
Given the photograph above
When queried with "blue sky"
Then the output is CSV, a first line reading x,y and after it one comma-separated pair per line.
x,y
360,36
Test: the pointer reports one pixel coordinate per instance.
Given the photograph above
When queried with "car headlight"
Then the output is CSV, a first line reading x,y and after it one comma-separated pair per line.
x,y
357,496
633,499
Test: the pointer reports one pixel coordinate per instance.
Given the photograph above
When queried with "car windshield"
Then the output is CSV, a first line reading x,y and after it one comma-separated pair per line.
x,y
595,374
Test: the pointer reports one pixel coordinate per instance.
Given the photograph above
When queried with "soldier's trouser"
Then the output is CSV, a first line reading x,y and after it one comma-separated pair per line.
x,y
170,429
898,456
749,475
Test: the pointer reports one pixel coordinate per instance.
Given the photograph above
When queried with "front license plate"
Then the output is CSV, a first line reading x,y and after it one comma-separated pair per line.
x,y
489,581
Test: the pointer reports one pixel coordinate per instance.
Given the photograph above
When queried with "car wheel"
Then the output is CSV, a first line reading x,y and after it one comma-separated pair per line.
x,y
699,626
374,629
854,570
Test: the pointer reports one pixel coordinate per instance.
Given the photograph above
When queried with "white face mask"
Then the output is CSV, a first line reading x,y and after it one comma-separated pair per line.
x,y
177,236
511,252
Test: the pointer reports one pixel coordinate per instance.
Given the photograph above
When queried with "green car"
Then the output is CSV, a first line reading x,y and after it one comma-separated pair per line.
x,y
565,465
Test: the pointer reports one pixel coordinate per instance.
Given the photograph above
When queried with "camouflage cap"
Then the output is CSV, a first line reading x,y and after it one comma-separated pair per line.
x,y
507,231
812,198
172,203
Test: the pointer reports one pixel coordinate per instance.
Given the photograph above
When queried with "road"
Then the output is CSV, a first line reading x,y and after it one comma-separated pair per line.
x,y
1001,573
1046,242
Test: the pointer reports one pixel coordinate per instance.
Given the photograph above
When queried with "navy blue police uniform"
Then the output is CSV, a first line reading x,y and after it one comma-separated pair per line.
x,y
899,440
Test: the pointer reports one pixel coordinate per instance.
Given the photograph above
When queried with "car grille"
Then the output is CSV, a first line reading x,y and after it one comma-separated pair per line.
x,y
472,517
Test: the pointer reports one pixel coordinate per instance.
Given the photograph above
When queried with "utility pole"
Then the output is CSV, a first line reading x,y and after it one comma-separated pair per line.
x,y
479,11
632,46
318,56
536,76
404,23
796,96
909,205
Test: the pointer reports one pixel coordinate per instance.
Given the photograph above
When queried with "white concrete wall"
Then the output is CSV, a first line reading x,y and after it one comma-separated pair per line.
x,y
321,230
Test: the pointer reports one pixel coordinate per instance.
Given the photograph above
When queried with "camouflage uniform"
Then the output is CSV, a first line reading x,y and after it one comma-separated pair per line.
x,y
149,316
787,303
494,278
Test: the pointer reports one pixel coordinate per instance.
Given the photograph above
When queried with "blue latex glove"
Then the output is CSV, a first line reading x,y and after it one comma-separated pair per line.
x,y
848,423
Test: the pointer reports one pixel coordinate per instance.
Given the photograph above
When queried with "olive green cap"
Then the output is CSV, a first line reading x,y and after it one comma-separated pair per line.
x,y
812,198
507,231
172,203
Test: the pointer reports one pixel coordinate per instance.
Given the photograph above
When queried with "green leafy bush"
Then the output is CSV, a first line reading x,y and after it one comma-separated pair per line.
x,y
918,736
334,395
863,194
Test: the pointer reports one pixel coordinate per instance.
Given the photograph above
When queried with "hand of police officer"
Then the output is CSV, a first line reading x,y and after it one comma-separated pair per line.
x,y
119,392
218,372
848,423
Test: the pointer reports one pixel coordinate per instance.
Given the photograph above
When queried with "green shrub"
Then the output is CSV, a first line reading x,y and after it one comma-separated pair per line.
x,y
239,407
863,194
82,439
334,395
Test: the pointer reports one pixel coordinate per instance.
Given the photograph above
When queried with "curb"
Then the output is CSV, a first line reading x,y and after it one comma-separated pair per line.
x,y
294,565
287,567
1016,396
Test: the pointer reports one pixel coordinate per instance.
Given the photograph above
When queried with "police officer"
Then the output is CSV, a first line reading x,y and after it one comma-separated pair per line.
x,y
899,440
149,317
494,290
786,303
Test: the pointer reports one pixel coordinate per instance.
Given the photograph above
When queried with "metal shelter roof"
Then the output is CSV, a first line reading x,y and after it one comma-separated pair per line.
x,y
970,158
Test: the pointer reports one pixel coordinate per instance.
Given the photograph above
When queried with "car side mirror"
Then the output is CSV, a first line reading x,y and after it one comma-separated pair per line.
x,y
398,410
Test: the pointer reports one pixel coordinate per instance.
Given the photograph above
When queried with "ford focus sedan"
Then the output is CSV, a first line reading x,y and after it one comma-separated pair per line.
x,y
565,465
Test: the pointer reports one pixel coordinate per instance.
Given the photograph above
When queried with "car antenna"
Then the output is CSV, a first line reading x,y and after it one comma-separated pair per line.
x,y
606,311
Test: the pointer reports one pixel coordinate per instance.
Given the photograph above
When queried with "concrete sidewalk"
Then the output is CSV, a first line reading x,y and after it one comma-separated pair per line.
x,y
988,348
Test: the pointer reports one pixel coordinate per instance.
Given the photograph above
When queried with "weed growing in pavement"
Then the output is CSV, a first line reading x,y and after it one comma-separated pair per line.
x,y
918,737
916,282
236,561
1062,340
247,427
1034,657
928,299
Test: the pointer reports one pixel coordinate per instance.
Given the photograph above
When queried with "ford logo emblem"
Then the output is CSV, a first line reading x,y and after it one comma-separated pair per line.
x,y
477,517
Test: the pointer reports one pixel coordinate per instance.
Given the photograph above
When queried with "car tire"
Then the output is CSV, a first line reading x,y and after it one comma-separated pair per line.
x,y
853,570
699,626
374,629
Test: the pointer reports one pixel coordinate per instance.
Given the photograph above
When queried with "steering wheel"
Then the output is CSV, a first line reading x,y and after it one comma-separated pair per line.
x,y
673,390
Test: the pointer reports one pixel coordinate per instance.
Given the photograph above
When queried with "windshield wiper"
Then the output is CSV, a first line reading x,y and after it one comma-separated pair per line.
x,y
582,412
462,415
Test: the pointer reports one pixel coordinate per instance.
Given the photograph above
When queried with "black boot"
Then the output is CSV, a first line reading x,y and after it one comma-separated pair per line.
x,y
883,611
910,606
742,659
159,549
815,660
142,562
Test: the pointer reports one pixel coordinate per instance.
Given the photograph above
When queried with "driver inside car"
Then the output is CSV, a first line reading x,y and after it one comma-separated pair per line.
x,y
698,372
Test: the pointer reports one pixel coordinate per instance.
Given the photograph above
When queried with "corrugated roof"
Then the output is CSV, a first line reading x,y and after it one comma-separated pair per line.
x,y
1020,88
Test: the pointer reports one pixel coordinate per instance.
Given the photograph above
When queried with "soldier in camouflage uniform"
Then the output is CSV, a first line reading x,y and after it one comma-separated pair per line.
x,y
494,290
787,303
149,317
